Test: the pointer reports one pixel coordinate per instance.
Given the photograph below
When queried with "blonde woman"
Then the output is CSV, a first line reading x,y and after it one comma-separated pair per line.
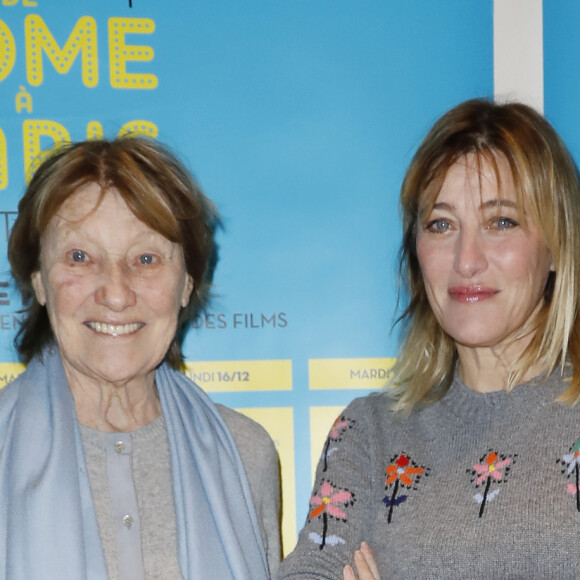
x,y
470,466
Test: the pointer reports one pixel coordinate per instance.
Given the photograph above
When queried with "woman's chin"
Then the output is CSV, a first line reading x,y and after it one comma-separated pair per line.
x,y
115,369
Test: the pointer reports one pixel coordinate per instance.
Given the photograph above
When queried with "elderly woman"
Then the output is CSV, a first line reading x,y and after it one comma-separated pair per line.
x,y
473,471
112,463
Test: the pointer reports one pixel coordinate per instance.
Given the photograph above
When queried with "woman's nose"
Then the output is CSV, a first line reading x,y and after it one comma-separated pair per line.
x,y
114,290
470,255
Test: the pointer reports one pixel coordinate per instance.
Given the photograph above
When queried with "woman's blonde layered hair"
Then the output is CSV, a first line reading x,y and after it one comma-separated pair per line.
x,y
547,191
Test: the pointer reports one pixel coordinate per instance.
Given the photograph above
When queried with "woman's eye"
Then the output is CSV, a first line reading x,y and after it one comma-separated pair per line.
x,y
504,223
78,256
438,226
146,259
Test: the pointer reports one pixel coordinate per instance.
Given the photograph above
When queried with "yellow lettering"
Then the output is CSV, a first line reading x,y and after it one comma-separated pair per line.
x,y
82,39
7,50
9,2
23,100
29,3
94,130
121,53
32,133
3,161
138,127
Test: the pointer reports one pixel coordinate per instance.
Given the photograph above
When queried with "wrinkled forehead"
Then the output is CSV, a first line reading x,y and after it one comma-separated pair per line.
x,y
93,201
85,201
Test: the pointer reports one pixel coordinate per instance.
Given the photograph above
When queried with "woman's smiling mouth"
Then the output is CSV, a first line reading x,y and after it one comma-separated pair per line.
x,y
114,329
469,294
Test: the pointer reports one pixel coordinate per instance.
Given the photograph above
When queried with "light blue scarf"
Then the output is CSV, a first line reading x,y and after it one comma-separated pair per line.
x,y
48,527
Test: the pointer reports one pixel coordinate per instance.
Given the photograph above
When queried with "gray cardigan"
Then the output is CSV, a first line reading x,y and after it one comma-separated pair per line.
x,y
260,460
149,466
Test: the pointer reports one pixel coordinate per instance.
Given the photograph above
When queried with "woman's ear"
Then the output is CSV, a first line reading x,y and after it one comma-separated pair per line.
x,y
187,290
38,287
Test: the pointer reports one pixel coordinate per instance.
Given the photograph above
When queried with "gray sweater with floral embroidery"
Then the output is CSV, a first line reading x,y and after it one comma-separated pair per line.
x,y
473,486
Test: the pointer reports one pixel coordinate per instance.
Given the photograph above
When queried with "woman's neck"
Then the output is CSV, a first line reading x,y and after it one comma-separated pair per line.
x,y
485,370
114,407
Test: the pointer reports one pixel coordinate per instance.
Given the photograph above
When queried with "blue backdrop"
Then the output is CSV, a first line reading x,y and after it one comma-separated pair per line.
x,y
298,118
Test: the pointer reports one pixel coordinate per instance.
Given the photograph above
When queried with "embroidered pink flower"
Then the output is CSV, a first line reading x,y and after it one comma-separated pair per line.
x,y
339,427
329,501
492,468
404,473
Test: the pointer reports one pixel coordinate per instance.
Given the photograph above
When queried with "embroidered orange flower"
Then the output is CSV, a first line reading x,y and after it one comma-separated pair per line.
x,y
402,470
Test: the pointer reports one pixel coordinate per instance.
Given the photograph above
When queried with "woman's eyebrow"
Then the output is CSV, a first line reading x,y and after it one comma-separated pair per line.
x,y
443,205
490,203
440,205
498,203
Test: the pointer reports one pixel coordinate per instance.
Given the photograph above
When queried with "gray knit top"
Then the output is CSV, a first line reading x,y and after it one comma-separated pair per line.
x,y
473,486
130,478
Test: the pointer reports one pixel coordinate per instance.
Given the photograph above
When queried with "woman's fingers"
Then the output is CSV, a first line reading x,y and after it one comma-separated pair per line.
x,y
365,564
370,560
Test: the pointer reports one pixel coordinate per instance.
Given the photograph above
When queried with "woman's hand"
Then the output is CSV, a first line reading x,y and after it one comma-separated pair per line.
x,y
366,567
